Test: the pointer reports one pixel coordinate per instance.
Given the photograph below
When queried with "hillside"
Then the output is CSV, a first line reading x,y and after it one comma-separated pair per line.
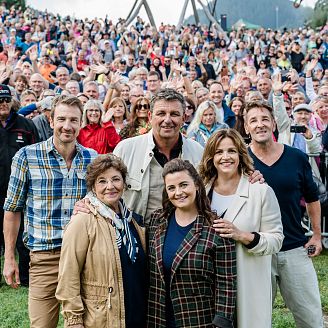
x,y
260,12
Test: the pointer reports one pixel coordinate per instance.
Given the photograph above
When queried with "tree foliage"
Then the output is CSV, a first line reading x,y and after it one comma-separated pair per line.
x,y
320,14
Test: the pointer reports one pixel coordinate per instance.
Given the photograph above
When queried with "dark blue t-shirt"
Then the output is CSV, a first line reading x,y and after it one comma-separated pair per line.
x,y
174,237
291,179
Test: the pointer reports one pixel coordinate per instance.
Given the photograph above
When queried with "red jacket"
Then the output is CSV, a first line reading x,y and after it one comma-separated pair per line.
x,y
102,138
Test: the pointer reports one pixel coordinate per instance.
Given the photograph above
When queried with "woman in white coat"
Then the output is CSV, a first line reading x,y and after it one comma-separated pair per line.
x,y
250,215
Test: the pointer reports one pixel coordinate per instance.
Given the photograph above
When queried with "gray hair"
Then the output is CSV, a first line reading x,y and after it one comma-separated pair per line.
x,y
168,95
90,104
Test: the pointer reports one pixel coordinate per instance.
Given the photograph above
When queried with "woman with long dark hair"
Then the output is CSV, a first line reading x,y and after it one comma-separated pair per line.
x,y
192,269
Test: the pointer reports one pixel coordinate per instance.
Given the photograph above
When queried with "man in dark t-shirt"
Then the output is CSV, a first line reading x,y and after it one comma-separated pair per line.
x,y
288,172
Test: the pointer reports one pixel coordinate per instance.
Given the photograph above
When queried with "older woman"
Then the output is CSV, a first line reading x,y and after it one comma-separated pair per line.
x,y
97,130
102,271
250,215
192,269
319,120
206,121
139,119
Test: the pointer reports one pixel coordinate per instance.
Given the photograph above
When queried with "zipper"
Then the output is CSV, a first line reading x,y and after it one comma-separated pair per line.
x,y
109,303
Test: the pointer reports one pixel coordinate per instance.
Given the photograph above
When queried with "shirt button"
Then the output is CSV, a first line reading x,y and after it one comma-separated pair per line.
x,y
65,212
142,171
129,186
151,154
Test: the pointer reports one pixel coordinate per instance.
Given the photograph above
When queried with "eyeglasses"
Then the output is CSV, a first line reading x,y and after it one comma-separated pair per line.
x,y
94,110
140,106
114,181
6,100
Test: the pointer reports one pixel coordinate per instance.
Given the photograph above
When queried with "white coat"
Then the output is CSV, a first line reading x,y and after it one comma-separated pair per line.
x,y
255,209
137,153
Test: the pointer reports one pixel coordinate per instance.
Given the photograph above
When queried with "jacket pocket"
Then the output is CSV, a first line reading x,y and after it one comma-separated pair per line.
x,y
133,184
95,313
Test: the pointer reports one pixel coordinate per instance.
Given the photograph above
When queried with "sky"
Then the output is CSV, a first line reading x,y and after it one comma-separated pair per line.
x,y
167,11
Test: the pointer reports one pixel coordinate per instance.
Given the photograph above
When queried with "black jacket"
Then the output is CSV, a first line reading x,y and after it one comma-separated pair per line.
x,y
19,132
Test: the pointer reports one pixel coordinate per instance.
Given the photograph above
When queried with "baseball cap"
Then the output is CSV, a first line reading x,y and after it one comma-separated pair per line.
x,y
5,91
300,107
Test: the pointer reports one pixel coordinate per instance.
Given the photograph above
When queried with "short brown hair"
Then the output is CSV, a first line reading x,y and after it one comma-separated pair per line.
x,y
258,104
207,169
103,163
66,100
168,95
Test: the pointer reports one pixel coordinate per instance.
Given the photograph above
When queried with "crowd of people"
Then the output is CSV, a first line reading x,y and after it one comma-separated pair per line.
x,y
157,177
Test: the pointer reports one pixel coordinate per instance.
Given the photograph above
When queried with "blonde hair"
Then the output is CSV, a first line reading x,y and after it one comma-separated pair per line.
x,y
194,125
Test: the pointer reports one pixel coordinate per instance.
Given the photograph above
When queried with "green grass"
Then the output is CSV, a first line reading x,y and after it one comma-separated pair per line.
x,y
13,303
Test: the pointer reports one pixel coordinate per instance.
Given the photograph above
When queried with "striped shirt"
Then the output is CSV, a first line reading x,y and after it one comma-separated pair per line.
x,y
44,188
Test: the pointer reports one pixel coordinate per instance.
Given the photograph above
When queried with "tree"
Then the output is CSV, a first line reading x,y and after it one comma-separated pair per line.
x,y
320,13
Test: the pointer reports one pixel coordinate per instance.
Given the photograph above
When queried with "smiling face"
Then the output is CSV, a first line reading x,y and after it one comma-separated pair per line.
x,y
142,108
109,187
226,158
93,115
119,109
302,117
66,123
181,190
166,119
216,94
208,117
235,107
259,124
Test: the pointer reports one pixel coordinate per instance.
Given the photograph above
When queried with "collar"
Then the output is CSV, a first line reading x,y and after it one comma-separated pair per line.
x,y
49,146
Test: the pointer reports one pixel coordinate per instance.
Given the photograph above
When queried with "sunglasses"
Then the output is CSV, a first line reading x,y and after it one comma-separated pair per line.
x,y
140,106
190,107
7,100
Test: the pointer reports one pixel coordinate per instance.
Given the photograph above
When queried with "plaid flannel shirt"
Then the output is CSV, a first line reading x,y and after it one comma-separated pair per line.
x,y
42,186
203,277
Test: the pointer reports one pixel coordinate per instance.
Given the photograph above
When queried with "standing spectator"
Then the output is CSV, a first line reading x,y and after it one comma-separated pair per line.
x,y
185,252
250,215
97,130
46,180
205,122
225,113
146,155
292,266
15,133
139,119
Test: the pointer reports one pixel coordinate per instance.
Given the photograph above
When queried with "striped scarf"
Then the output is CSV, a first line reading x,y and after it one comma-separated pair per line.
x,y
121,225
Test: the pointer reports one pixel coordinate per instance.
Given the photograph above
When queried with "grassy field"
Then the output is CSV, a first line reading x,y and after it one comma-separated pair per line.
x,y
13,303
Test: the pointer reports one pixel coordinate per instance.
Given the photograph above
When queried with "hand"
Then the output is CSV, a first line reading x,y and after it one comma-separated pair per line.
x,y
99,68
32,53
81,206
308,134
312,64
226,229
11,53
276,83
162,69
316,242
3,76
256,176
11,273
108,115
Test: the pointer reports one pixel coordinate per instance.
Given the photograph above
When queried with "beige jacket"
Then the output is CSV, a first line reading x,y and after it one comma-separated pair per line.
x,y
90,283
137,153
